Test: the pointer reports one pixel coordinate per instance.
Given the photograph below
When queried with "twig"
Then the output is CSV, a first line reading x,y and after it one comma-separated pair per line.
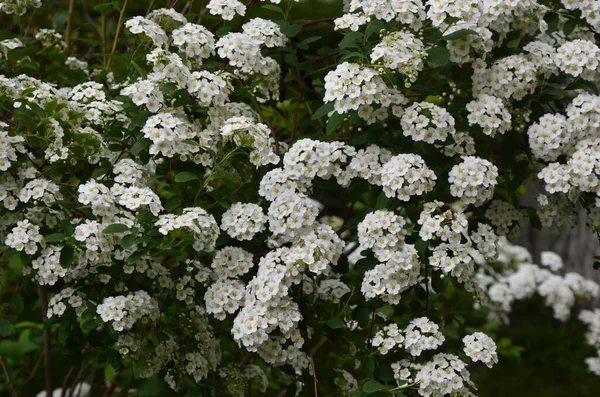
x,y
110,390
47,360
63,392
315,380
12,389
119,23
76,382
371,328
69,26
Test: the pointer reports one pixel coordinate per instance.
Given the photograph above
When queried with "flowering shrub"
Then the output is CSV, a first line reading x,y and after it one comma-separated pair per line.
x,y
234,208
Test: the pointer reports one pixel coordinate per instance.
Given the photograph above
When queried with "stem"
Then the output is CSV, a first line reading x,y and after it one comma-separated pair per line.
x,y
47,360
8,381
69,26
119,23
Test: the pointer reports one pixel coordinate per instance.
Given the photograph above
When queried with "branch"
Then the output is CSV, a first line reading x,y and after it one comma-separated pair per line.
x,y
8,381
47,360
69,26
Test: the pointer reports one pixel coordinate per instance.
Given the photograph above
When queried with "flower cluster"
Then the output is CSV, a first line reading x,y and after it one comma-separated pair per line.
x,y
124,311
424,121
473,180
480,347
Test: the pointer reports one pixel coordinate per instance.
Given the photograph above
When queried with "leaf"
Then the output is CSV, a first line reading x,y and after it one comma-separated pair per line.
x,y
54,238
372,386
323,111
382,201
335,323
569,26
438,55
60,20
185,176
17,305
349,40
551,19
334,122
459,34
274,8
140,145
513,43
115,228
127,241
173,202
99,172
290,30
5,327
66,256
368,367
303,45
556,92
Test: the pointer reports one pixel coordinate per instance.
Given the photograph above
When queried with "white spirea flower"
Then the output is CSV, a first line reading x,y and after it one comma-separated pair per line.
x,y
195,40
490,113
400,51
247,133
389,338
226,9
18,6
123,311
243,221
422,334
406,175
24,237
198,221
465,10
381,231
149,28
578,57
549,137
265,31
424,121
231,262
473,180
504,217
224,296
512,77
480,347
290,215
388,280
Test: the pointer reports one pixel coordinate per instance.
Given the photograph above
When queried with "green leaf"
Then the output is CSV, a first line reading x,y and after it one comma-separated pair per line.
x,y
371,386
99,172
140,145
60,20
274,8
551,19
115,228
173,202
569,26
88,325
334,122
290,30
556,92
54,238
17,305
459,34
303,45
382,201
185,176
5,327
127,241
323,111
335,323
513,43
438,56
368,367
350,39
66,256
